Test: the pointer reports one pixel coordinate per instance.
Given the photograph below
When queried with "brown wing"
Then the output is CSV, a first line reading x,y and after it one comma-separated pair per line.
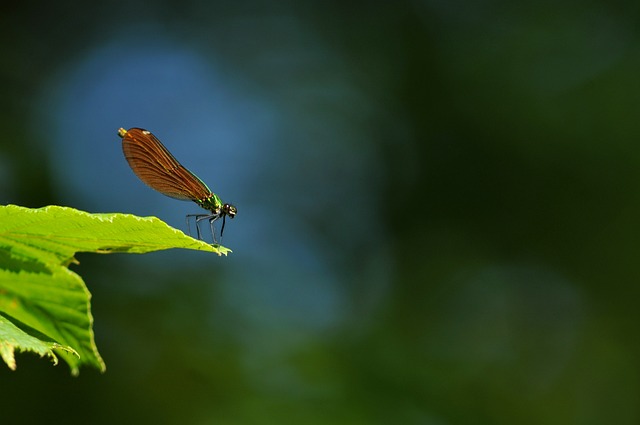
x,y
158,169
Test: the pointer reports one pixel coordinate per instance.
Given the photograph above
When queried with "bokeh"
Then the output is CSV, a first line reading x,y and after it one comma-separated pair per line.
x,y
439,208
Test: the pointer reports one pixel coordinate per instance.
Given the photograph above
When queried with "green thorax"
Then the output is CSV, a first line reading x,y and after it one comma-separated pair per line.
x,y
212,203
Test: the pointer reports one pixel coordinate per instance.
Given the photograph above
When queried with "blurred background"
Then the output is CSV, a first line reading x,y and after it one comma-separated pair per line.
x,y
439,208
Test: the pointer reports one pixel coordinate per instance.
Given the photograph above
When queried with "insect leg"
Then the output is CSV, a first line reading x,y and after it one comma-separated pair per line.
x,y
211,218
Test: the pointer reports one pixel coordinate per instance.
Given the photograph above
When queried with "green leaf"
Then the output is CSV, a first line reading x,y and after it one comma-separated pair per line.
x,y
13,337
46,306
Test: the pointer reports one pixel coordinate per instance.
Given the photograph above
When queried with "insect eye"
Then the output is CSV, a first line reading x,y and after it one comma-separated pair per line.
x,y
230,210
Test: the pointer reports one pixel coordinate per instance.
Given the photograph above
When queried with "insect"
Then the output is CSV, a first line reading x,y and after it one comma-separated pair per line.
x,y
158,169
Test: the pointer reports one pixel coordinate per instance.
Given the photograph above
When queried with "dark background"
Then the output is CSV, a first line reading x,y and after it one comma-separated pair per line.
x,y
439,208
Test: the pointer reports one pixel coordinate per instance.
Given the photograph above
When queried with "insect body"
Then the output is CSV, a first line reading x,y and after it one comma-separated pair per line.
x,y
160,170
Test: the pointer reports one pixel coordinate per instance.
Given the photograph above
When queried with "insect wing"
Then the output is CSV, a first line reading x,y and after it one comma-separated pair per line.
x,y
158,168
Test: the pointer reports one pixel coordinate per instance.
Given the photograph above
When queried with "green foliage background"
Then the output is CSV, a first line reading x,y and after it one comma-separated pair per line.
x,y
492,279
